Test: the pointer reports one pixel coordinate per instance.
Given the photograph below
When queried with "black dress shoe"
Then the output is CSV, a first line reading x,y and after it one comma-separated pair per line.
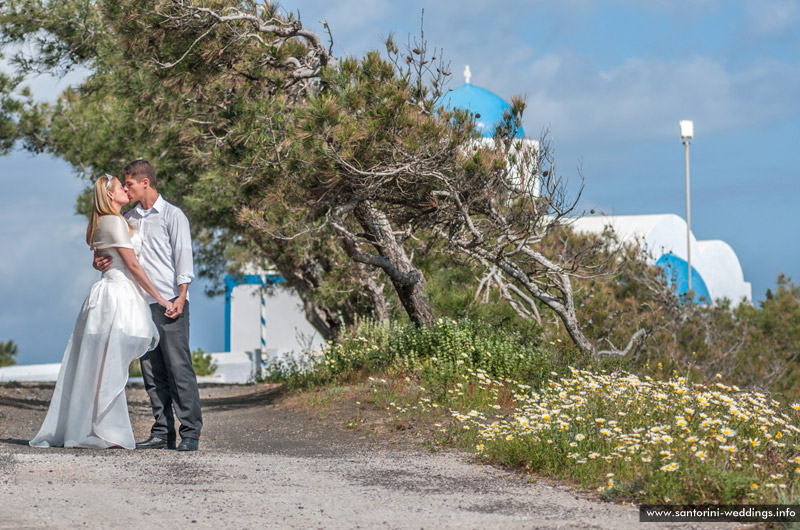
x,y
155,442
189,444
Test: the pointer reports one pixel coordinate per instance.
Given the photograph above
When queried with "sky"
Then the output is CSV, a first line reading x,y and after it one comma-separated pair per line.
x,y
610,80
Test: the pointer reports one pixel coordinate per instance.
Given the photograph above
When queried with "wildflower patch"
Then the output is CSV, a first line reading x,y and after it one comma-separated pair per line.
x,y
660,439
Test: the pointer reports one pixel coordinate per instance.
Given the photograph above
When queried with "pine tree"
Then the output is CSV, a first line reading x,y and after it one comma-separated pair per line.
x,y
8,350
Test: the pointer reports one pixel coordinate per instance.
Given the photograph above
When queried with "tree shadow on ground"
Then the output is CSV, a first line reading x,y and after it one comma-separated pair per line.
x,y
258,398
14,441
31,404
17,384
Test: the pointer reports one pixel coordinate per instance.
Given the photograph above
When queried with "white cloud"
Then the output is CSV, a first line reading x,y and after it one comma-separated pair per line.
x,y
644,98
638,97
773,18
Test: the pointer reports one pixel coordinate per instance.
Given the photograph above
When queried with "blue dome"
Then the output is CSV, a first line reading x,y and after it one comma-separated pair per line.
x,y
677,272
480,101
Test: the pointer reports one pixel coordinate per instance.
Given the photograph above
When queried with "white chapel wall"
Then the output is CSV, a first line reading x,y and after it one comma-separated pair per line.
x,y
285,322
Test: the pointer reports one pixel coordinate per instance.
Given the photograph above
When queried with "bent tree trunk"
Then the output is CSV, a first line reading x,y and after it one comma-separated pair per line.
x,y
380,307
408,281
562,304
391,257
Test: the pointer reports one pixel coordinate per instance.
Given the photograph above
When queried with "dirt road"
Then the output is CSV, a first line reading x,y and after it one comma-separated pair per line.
x,y
267,462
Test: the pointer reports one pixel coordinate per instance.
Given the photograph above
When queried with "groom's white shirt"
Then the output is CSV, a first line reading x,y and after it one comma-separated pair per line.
x,y
166,254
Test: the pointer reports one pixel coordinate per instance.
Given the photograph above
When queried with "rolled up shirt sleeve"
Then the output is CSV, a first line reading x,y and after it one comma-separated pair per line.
x,y
181,241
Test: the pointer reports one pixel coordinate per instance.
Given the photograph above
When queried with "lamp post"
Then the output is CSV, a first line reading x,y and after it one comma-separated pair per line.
x,y
687,134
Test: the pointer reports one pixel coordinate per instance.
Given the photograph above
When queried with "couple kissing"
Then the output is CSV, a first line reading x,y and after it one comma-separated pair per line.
x,y
139,309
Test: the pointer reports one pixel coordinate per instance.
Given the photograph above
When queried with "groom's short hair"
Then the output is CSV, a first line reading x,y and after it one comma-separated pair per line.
x,y
140,169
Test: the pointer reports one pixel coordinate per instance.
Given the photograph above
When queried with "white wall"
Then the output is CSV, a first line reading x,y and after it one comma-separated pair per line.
x,y
714,260
285,321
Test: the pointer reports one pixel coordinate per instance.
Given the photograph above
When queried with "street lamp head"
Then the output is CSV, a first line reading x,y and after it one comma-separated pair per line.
x,y
687,129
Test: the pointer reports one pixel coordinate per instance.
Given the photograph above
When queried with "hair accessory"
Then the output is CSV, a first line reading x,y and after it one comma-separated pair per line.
x,y
110,180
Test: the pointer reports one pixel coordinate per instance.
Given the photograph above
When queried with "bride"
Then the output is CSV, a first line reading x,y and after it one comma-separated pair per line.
x,y
114,327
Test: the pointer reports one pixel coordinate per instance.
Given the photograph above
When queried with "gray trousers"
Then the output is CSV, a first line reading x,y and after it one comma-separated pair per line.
x,y
169,378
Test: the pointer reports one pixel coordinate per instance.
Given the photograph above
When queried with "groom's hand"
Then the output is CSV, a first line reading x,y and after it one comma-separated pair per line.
x,y
101,263
177,308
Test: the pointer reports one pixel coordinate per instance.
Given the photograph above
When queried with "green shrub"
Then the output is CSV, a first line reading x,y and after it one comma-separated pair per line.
x,y
451,287
202,363
135,369
8,350
436,355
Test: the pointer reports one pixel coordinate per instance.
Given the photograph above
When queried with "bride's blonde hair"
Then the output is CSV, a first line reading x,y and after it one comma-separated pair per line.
x,y
101,205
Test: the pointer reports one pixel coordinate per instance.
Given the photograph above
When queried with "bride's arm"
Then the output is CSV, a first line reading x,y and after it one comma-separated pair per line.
x,y
129,258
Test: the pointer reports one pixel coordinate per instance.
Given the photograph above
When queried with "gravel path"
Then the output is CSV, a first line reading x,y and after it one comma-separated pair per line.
x,y
266,464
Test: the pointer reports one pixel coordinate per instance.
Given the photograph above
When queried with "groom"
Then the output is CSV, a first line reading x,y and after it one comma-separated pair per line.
x,y
166,257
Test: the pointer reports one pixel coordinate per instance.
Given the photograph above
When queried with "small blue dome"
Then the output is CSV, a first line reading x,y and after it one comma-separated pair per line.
x,y
482,102
677,272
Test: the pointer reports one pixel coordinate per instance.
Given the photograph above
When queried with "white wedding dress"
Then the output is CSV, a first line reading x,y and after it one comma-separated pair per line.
x,y
114,327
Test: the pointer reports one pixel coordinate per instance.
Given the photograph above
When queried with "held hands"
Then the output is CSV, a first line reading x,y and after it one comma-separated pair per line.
x,y
163,302
176,308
